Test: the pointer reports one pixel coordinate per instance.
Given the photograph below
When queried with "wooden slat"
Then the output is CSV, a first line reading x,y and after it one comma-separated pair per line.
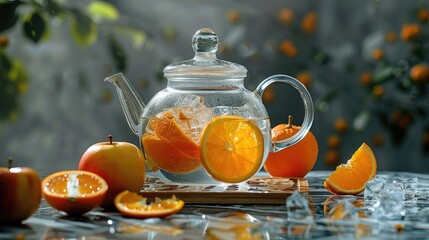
x,y
258,190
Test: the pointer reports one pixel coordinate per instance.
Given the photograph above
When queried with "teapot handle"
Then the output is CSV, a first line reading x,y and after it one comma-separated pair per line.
x,y
308,108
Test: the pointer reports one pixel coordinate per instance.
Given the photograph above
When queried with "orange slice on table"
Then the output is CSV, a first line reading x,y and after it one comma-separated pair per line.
x,y
134,205
232,148
350,178
75,191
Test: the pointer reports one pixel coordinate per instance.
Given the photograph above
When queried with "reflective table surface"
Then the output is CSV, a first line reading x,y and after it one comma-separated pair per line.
x,y
326,221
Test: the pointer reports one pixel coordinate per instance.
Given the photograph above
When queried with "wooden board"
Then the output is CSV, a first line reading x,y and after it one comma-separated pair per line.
x,y
258,190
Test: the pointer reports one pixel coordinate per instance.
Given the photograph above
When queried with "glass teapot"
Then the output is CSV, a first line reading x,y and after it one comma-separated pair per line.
x,y
205,127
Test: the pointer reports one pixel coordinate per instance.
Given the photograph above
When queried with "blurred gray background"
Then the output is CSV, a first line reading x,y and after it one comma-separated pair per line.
x,y
67,106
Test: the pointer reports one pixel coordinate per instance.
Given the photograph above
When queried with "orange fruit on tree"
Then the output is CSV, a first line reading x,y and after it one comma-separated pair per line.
x,y
309,22
232,148
288,48
233,16
134,205
377,54
341,125
74,191
365,78
423,14
390,37
351,177
334,141
168,147
285,16
410,31
419,73
305,78
4,41
296,160
378,91
332,157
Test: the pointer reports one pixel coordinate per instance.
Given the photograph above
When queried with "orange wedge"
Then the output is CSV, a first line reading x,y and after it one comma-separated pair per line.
x,y
74,192
350,178
134,205
168,146
232,148
168,128
165,155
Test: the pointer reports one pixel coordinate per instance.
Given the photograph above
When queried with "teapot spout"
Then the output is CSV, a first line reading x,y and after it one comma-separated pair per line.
x,y
131,103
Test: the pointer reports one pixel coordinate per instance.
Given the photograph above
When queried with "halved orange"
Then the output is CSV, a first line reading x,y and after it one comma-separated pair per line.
x,y
165,155
232,148
167,127
74,191
168,146
134,205
350,178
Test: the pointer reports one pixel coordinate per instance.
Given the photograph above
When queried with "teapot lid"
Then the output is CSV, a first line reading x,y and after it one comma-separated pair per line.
x,y
205,63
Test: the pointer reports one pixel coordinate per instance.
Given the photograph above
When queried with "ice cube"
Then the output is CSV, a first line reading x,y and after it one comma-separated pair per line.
x,y
410,190
243,111
392,205
298,209
374,188
406,185
343,209
189,100
190,118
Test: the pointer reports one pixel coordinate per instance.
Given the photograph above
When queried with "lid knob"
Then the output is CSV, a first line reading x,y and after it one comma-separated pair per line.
x,y
205,40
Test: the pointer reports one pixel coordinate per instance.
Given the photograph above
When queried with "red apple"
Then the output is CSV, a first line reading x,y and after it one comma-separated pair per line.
x,y
20,193
120,164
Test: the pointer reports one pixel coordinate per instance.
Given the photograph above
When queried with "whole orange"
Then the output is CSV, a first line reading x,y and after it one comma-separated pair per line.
x,y
120,164
296,160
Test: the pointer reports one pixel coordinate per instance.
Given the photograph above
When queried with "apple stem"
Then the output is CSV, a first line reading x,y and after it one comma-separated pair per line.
x,y
289,123
110,139
9,162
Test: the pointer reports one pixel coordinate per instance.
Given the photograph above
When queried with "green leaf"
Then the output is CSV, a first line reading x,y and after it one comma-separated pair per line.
x,y
169,34
383,74
361,121
118,55
138,37
34,27
8,15
321,58
99,11
323,103
5,64
53,8
83,30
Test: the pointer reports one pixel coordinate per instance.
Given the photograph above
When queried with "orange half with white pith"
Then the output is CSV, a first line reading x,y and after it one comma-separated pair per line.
x,y
75,191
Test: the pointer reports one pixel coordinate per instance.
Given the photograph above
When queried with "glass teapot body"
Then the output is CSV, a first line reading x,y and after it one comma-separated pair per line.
x,y
176,130
192,111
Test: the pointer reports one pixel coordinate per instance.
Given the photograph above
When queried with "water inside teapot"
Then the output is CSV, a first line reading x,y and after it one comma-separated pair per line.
x,y
171,140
